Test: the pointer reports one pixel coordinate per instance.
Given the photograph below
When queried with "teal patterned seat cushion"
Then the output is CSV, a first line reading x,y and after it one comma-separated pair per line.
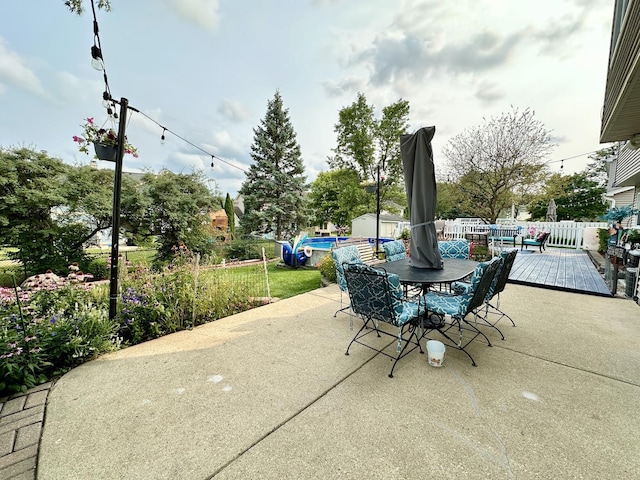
x,y
465,287
340,256
454,248
456,304
394,250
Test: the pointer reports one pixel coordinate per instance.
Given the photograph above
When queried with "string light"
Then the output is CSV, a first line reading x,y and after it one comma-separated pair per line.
x,y
96,52
96,58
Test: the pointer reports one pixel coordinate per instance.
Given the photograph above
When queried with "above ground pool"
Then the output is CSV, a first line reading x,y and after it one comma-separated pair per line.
x,y
310,250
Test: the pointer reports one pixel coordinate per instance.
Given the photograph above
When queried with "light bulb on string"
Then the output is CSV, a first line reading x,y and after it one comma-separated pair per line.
x,y
162,139
96,58
211,161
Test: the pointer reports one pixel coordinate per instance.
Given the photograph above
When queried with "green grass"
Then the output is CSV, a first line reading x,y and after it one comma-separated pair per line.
x,y
283,282
289,282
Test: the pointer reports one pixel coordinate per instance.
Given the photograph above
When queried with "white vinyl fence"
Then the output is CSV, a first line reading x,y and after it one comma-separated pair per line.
x,y
576,235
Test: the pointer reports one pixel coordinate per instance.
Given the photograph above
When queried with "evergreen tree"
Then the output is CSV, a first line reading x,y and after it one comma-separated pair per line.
x,y
228,208
274,187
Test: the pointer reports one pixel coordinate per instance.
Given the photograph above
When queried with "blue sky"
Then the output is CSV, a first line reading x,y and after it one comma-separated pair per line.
x,y
207,68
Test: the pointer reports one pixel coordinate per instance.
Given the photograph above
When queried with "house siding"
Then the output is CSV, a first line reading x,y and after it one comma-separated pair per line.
x,y
622,93
622,199
627,169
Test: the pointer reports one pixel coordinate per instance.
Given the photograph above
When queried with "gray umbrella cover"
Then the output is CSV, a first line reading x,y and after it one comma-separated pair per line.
x,y
420,184
551,212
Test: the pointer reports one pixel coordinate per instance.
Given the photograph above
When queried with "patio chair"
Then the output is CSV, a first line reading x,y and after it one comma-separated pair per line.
x,y
394,250
539,241
458,248
376,296
497,286
459,305
348,254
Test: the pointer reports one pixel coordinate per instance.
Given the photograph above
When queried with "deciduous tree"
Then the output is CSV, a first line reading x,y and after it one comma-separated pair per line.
x,y
365,142
334,197
76,5
498,162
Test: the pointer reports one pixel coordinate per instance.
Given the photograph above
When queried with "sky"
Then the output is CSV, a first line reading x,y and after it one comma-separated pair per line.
x,y
206,69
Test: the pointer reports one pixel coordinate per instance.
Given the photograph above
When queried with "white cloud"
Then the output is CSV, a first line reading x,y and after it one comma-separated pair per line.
x,y
14,71
234,111
201,12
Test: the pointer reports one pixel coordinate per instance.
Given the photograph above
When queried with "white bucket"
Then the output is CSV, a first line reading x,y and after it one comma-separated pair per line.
x,y
435,353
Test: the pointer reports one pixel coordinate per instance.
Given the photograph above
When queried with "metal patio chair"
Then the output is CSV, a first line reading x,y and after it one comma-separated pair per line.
x,y
458,306
376,296
497,286
341,255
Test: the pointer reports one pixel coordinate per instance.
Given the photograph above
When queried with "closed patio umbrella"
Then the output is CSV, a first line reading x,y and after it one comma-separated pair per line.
x,y
551,212
420,185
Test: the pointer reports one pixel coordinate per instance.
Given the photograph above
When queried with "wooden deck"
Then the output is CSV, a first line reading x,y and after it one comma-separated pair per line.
x,y
559,269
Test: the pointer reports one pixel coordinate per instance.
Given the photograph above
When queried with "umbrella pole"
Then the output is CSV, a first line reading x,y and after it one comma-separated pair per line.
x,y
378,210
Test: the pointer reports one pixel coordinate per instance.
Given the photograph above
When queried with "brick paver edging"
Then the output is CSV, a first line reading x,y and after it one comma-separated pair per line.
x,y
21,420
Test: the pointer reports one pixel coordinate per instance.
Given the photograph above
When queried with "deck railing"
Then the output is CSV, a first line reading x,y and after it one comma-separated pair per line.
x,y
562,234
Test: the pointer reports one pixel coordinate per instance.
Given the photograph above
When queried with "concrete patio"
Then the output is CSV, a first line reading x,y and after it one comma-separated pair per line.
x,y
269,393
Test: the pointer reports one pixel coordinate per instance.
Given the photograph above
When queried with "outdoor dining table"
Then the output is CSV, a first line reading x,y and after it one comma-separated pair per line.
x,y
454,269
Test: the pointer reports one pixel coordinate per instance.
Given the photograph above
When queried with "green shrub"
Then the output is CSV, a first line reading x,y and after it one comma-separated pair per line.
x,y
327,268
243,249
603,239
480,253
98,268
7,274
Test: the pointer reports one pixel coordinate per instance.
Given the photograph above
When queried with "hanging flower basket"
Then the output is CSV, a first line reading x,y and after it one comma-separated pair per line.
x,y
101,138
106,152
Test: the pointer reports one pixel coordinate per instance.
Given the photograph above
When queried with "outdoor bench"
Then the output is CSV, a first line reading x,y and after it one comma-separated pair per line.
x,y
539,242
504,235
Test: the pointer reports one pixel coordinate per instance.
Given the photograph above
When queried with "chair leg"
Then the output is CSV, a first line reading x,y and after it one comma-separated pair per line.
x,y
485,318
456,345
502,314
477,332
357,336
413,330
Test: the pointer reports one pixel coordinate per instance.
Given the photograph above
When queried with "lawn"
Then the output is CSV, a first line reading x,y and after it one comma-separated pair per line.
x,y
284,282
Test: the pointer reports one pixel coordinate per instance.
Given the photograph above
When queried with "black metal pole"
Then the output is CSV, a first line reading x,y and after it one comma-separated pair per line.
x,y
115,219
378,210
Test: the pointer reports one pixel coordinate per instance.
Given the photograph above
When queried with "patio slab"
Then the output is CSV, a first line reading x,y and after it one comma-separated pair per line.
x,y
269,393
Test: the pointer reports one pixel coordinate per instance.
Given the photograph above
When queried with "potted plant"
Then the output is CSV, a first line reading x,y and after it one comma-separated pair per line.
x,y
105,141
615,215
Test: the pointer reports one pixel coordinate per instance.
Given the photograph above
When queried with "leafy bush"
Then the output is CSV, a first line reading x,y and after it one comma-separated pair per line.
x,y
98,267
603,239
55,331
327,268
246,249
480,253
7,275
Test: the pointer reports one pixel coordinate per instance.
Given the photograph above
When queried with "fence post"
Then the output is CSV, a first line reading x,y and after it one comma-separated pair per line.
x,y
266,274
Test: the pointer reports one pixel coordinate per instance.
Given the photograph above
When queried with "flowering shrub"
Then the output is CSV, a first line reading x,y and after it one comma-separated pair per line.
x,y
46,332
103,136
